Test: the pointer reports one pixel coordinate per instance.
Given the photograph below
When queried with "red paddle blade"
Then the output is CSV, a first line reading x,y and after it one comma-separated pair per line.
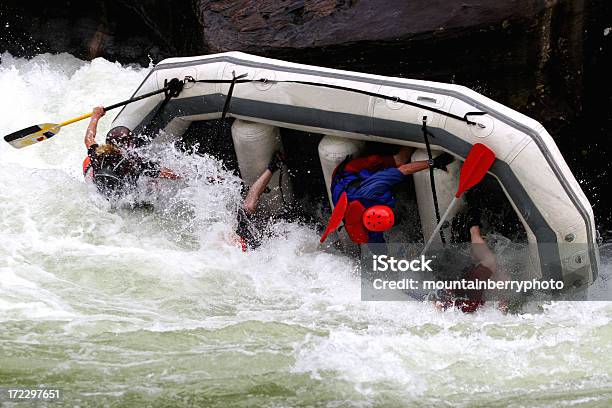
x,y
476,165
336,216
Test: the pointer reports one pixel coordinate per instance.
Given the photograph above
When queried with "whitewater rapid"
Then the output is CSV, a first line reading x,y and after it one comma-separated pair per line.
x,y
160,307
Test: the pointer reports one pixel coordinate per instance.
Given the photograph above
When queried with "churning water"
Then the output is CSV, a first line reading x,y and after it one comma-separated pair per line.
x,y
160,308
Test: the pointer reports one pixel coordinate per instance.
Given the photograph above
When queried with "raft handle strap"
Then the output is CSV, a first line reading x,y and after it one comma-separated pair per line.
x,y
228,99
432,180
469,122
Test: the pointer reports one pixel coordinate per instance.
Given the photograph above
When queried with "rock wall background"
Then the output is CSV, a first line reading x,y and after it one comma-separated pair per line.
x,y
549,59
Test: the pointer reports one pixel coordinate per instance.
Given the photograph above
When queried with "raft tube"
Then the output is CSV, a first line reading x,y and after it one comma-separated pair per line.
x,y
548,200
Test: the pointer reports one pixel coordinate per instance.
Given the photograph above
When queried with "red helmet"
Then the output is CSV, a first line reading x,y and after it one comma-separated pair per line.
x,y
378,218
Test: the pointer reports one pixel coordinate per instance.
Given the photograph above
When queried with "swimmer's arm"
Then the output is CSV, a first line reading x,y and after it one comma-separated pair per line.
x,y
90,134
403,156
413,167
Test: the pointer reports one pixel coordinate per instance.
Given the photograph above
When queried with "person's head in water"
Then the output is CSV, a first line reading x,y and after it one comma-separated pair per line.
x,y
121,137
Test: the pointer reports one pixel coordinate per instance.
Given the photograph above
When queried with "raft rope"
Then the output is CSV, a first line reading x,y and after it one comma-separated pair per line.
x,y
464,118
432,180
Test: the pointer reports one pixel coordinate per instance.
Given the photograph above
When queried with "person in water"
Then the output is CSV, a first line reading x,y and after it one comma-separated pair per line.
x,y
480,265
362,192
249,235
110,166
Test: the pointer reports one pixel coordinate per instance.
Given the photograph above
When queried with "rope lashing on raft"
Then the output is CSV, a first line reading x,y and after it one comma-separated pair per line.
x,y
464,118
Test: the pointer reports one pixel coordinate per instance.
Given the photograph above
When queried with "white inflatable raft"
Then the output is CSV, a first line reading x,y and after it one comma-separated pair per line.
x,y
554,211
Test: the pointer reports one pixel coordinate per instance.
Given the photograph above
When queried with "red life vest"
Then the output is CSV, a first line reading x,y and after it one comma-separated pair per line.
x,y
87,169
353,222
352,215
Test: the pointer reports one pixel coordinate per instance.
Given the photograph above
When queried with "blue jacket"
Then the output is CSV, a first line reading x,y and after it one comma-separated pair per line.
x,y
370,188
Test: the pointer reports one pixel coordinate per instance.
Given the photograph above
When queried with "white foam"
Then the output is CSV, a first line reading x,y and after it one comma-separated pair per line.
x,y
65,255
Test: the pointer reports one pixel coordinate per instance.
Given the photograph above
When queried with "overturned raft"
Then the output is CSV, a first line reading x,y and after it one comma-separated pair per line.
x,y
350,108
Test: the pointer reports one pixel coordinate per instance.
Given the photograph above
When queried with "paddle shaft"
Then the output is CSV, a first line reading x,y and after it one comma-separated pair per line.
x,y
110,107
440,223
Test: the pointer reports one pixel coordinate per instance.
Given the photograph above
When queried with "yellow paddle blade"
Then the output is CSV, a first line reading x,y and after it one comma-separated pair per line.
x,y
33,134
